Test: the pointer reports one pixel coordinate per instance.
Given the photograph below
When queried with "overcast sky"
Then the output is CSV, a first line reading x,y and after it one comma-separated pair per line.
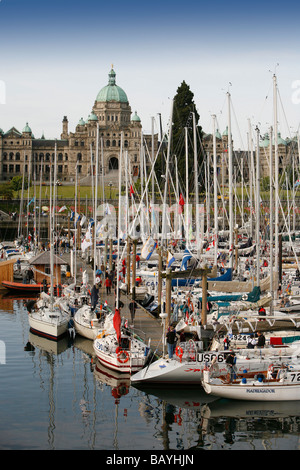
x,y
56,56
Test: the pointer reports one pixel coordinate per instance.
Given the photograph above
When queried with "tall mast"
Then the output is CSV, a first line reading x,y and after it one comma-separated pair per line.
x,y
276,264
196,189
96,200
230,166
257,207
164,214
215,191
271,221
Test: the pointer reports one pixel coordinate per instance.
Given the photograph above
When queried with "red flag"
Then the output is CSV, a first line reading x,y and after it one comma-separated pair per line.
x,y
181,203
117,324
131,190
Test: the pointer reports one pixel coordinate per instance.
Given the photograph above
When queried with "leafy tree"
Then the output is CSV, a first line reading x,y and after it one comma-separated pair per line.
x,y
16,183
6,191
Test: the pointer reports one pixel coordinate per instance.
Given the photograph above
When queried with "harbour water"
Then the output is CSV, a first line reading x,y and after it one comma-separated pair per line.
x,y
55,396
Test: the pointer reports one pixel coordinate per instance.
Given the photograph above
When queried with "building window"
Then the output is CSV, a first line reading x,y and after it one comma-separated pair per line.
x,y
11,169
11,156
4,168
82,143
108,143
18,168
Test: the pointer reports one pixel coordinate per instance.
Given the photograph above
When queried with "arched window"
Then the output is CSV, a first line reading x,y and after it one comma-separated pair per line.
x,y
113,164
108,143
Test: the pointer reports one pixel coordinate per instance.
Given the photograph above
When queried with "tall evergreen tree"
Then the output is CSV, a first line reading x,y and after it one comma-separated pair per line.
x,y
183,108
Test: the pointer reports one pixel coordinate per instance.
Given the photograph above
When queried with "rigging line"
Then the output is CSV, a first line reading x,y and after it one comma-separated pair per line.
x,y
239,132
289,131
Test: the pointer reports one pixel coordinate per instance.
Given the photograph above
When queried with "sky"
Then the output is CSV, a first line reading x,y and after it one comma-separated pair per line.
x,y
56,56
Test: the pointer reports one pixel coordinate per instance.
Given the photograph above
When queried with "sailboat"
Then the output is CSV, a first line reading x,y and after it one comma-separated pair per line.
x,y
49,319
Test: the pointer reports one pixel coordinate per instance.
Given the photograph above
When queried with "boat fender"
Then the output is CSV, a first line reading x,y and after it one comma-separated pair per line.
x,y
122,355
179,352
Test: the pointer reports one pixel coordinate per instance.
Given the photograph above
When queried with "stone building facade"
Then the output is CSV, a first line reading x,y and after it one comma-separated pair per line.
x,y
22,152
287,154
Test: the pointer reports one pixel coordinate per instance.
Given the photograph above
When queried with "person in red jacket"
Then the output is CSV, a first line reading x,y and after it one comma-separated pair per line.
x,y
108,285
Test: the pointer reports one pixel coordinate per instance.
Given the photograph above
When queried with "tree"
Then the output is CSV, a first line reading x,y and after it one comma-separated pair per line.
x,y
16,183
6,191
183,110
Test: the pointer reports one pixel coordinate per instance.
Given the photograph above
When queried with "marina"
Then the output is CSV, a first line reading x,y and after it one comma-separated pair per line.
x,y
149,278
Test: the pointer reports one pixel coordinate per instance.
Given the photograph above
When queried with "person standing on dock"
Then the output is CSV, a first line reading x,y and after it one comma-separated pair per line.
x,y
94,296
171,341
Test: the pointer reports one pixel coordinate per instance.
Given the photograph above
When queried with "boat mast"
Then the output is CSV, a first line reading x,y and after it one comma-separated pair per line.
x,y
257,207
276,264
215,191
271,221
230,183
164,214
96,201
186,186
197,206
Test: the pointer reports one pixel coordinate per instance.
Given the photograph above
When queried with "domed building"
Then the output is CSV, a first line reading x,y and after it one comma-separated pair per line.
x,y
111,118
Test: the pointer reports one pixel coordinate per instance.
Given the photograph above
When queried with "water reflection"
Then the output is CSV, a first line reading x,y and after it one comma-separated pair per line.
x,y
74,402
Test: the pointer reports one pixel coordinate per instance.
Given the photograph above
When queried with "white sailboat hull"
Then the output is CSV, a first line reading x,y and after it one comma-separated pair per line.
x,y
265,392
117,359
190,370
51,328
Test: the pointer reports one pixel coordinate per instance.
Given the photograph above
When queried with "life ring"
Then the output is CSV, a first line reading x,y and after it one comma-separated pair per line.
x,y
179,352
121,352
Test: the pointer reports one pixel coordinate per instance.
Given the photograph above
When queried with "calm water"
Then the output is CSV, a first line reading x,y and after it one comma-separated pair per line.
x,y
56,397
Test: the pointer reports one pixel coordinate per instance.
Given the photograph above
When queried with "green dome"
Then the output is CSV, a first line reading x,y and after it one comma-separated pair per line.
x,y
280,140
265,142
27,128
135,117
218,135
225,133
1,131
92,117
112,92
81,122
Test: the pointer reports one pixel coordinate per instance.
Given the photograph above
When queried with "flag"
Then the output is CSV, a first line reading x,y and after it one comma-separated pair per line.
x,y
82,220
186,256
63,208
87,240
148,248
72,215
117,324
297,183
170,259
181,204
131,190
30,202
107,209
